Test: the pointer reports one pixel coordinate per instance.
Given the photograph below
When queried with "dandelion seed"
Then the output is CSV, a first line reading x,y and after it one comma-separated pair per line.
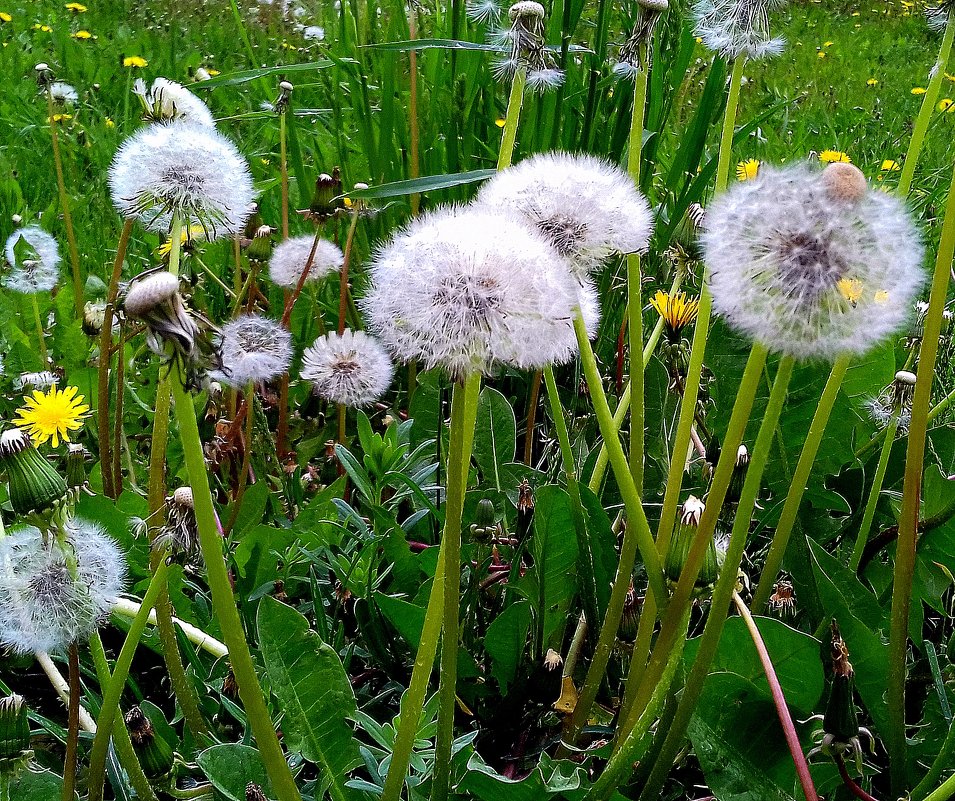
x,y
183,169
798,258
635,52
291,256
34,258
52,415
351,368
467,289
587,208
253,348
167,100
736,27
483,11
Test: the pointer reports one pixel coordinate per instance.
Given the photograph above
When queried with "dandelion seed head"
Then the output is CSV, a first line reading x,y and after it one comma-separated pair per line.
x,y
587,208
167,100
253,349
736,27
807,273
466,288
350,368
63,93
543,79
186,169
38,270
41,380
290,257
524,41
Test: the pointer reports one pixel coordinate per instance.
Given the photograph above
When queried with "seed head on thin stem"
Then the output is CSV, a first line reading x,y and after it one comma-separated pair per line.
x,y
735,28
291,256
34,259
253,348
525,40
352,368
167,100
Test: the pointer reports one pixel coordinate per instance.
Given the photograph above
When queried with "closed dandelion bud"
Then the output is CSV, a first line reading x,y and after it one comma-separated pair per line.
x,y
631,616
155,754
735,488
326,200
34,485
284,97
15,750
682,541
44,75
76,466
260,245
525,508
483,527
254,793
155,300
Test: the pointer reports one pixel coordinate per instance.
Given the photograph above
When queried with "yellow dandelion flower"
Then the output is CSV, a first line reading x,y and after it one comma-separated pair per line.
x,y
76,8
52,415
212,72
747,170
134,61
889,165
821,54
195,232
950,77
833,156
918,90
944,104
677,312
45,28
828,44
109,123
850,289
59,118
500,122
881,296
872,82
5,17
82,35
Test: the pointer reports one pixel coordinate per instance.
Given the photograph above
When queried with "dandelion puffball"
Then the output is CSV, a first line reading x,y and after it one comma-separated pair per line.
x,y
350,368
291,256
45,605
38,267
254,349
63,93
181,168
167,100
812,263
466,288
587,208
735,28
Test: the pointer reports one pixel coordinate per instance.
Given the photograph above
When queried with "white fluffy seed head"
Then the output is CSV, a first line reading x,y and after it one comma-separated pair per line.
x,y
254,349
182,168
736,27
465,289
167,100
52,595
290,257
808,274
587,208
38,268
63,93
352,368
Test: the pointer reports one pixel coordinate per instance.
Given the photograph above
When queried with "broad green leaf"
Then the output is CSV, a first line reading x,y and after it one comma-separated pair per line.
x,y
313,691
426,184
505,641
495,435
840,590
548,778
795,656
40,786
230,767
603,548
554,546
406,617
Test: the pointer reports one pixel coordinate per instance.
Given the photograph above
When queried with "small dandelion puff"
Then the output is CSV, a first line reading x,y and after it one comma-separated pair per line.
x,y
812,263
483,11
34,257
53,594
63,94
253,348
894,402
167,100
524,41
183,169
466,289
736,27
350,368
313,33
543,79
290,258
587,208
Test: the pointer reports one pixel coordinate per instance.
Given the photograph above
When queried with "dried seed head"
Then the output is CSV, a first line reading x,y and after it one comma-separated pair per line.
x,y
253,349
155,300
844,182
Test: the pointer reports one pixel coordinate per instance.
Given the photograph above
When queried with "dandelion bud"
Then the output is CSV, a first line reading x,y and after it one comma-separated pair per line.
x,y
76,467
682,541
326,200
484,526
16,219
630,620
33,484
350,368
155,754
844,182
783,599
525,508
254,793
738,478
635,53
44,75
155,300
284,98
260,246
15,750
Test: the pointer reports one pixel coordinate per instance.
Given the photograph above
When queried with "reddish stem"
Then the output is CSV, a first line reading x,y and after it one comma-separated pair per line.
x,y
849,782
789,728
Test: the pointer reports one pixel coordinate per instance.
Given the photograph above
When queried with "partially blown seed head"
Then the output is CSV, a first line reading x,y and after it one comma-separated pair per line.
x,y
34,259
182,168
809,272
167,100
352,368
737,27
587,208
291,256
63,93
253,349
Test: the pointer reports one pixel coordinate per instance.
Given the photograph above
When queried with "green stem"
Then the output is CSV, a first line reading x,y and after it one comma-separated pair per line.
x,y
224,603
944,792
512,119
121,741
464,401
636,538
928,107
5,780
862,537
65,206
911,495
787,517
681,442
620,764
41,336
283,167
635,292
725,585
246,460
670,625
113,691
941,763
